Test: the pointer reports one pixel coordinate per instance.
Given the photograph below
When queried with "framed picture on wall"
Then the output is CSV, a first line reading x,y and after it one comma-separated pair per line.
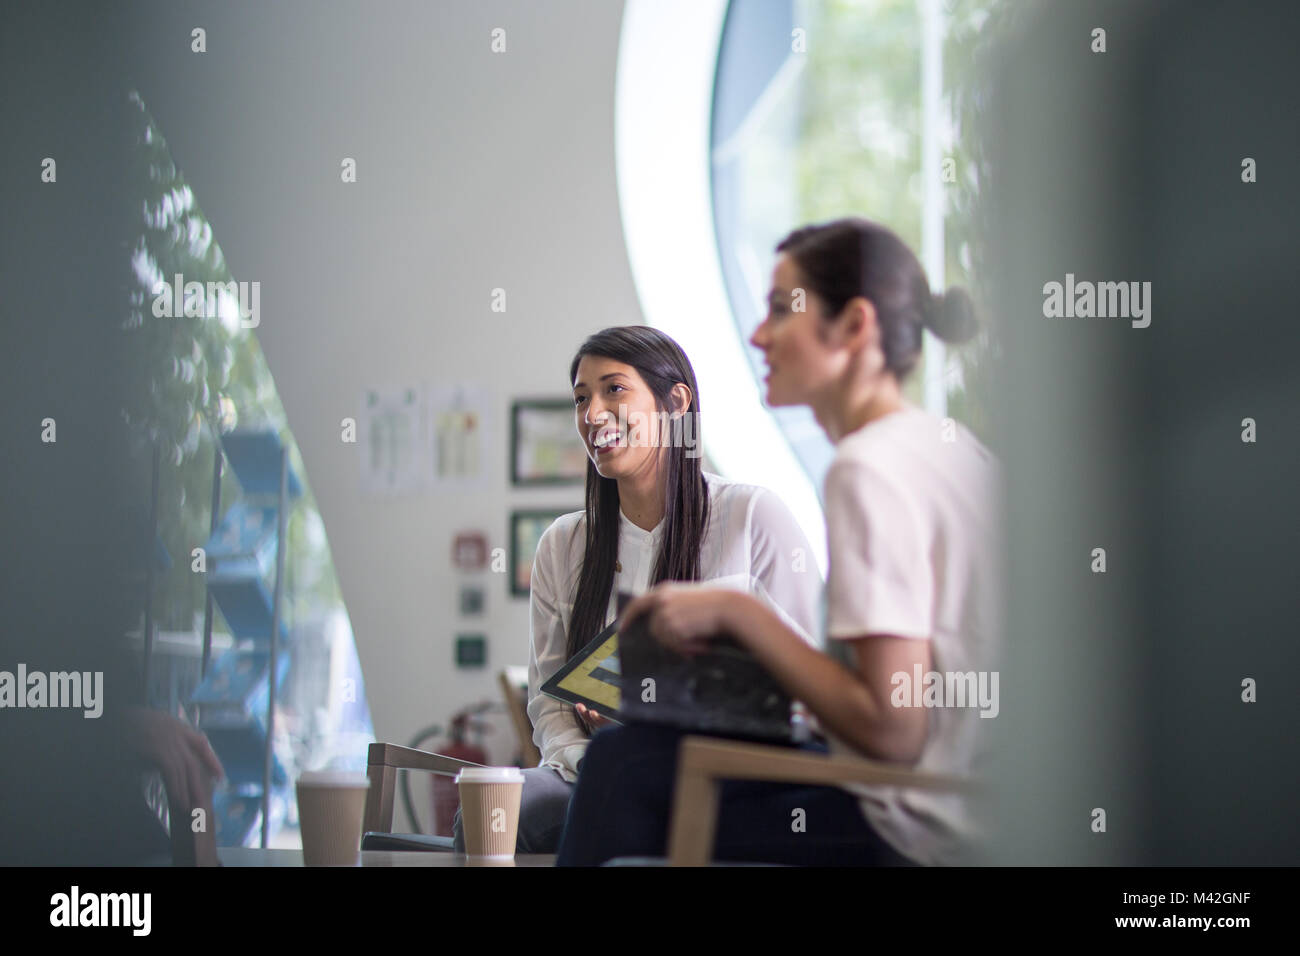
x,y
526,529
544,445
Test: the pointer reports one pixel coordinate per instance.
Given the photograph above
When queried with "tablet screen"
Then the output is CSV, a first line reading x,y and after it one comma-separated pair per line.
x,y
592,676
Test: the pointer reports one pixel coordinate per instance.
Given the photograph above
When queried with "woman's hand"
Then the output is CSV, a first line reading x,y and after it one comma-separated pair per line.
x,y
189,769
683,617
593,718
182,754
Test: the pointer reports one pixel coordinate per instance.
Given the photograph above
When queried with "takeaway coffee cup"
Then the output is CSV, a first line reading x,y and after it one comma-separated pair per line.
x,y
331,805
489,810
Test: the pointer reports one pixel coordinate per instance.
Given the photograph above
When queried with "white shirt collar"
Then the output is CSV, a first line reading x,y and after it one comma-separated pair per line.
x,y
638,534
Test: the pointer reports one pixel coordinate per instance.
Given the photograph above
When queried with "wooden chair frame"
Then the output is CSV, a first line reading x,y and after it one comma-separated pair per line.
x,y
382,763
384,760
704,762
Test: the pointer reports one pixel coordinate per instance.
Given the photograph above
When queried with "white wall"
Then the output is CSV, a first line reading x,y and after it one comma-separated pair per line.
x,y
476,170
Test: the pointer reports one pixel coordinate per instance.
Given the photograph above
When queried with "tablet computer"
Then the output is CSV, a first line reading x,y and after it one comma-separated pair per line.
x,y
591,676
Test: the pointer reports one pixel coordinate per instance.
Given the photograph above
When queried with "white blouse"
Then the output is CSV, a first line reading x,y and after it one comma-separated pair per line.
x,y
913,519
752,543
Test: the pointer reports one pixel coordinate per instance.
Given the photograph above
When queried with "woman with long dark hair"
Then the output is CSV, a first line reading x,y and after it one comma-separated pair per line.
x,y
911,504
652,514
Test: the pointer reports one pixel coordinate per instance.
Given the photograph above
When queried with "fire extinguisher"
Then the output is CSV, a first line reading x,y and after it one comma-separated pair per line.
x,y
446,795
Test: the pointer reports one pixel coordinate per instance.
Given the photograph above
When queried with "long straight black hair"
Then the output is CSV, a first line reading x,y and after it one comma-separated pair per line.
x,y
662,364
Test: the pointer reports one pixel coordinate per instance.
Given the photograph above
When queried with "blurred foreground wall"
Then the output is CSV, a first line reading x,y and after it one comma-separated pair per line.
x,y
1123,690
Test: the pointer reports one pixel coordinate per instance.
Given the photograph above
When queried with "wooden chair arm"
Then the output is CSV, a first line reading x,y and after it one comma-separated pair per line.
x,y
703,762
405,758
518,713
190,848
382,763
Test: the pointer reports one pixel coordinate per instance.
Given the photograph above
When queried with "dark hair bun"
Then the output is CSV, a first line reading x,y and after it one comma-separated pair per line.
x,y
951,316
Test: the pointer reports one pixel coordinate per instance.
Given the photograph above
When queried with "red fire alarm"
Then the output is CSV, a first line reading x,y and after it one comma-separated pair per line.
x,y
469,551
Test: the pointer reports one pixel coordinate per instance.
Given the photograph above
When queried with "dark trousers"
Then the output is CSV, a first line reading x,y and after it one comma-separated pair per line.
x,y
623,800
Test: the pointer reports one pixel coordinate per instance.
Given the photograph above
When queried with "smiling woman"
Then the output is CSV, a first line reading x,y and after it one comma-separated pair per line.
x,y
652,514
642,370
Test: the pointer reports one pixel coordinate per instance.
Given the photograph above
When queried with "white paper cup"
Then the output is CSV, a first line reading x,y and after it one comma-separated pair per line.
x,y
489,810
331,805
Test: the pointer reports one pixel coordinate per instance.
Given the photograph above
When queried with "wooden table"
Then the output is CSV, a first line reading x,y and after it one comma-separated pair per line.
x,y
253,856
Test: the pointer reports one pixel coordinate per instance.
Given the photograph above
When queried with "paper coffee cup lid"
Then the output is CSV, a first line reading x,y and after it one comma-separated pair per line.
x,y
490,775
332,778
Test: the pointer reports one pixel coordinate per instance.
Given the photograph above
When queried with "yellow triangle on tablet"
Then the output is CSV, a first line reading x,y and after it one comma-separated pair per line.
x,y
596,677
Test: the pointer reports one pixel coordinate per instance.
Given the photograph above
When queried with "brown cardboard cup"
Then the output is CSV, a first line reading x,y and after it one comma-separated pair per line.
x,y
330,810
489,810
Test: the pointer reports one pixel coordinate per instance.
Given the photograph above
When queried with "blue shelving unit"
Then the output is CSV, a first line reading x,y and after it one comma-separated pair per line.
x,y
246,558
241,569
233,697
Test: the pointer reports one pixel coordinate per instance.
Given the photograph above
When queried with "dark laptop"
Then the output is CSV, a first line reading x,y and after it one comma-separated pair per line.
x,y
723,691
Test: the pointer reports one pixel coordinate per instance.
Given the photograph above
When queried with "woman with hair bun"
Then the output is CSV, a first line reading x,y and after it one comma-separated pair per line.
x,y
911,505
